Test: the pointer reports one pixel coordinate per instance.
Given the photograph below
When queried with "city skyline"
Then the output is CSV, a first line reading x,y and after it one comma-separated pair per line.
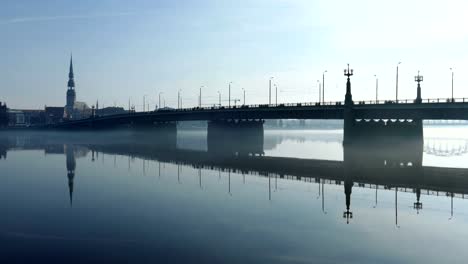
x,y
123,52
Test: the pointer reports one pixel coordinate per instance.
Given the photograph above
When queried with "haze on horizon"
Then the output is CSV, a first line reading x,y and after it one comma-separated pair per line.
x,y
124,50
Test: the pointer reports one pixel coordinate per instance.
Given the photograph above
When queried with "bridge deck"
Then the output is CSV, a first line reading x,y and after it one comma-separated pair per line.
x,y
426,110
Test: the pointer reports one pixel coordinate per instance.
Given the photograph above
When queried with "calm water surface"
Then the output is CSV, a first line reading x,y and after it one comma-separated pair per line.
x,y
92,199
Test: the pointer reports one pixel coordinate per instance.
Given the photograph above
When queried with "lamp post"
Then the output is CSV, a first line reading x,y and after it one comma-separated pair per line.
x,y
160,99
200,95
229,97
244,94
319,90
323,86
144,103
178,99
276,94
269,91
397,82
219,96
376,88
418,79
453,100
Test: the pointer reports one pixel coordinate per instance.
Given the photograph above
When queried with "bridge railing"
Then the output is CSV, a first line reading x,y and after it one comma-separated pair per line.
x,y
331,103
411,101
299,104
258,106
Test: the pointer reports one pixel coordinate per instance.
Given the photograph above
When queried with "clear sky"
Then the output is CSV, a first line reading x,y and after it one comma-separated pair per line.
x,y
127,49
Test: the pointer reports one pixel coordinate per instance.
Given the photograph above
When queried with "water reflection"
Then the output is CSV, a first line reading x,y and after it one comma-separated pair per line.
x,y
71,166
379,165
240,204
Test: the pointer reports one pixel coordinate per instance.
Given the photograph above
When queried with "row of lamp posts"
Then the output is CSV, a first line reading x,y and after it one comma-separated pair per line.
x,y
321,91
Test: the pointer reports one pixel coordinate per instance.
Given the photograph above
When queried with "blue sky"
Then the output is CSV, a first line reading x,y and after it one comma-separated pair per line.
x,y
127,49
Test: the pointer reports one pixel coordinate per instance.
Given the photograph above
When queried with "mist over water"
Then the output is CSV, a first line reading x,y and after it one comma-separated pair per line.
x,y
121,198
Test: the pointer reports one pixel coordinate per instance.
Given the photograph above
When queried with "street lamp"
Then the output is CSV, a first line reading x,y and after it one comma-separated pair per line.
x,y
200,95
244,94
179,99
453,100
323,86
319,91
144,103
397,82
276,94
376,88
229,99
160,99
269,91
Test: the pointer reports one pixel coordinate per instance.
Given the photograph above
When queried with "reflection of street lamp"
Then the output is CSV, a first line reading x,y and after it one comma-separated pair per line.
x,y
396,207
229,182
451,206
376,188
323,198
269,187
199,176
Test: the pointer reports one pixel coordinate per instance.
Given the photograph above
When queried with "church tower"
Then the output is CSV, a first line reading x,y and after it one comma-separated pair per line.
x,y
71,95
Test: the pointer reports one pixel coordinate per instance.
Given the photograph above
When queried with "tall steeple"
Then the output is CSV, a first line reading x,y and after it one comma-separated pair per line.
x,y
71,94
71,80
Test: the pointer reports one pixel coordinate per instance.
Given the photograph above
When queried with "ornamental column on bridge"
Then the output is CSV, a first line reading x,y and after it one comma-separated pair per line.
x,y
418,79
348,109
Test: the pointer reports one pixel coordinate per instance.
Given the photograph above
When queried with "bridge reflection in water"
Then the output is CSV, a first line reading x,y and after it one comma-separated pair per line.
x,y
379,163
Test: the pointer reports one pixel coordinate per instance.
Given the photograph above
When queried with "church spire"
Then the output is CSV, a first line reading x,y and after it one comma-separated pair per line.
x,y
71,81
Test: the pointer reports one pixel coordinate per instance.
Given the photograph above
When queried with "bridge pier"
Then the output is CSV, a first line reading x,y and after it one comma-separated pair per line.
x,y
241,137
363,131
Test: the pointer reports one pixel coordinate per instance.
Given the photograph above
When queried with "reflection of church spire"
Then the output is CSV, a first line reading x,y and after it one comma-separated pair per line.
x,y
71,166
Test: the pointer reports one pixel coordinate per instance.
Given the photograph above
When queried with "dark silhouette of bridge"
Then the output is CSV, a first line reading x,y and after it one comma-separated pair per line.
x,y
417,109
